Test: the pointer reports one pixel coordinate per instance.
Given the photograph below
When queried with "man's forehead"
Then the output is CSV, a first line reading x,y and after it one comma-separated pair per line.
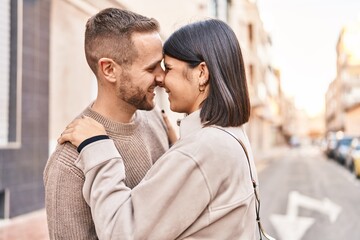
x,y
146,38
149,50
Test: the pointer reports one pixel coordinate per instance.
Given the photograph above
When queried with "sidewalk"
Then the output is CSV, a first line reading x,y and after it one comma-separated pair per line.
x,y
266,157
31,226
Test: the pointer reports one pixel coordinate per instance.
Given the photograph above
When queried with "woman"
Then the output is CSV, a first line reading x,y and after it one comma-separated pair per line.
x,y
202,187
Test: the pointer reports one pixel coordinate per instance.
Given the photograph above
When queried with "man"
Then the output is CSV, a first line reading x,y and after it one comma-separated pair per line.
x,y
124,50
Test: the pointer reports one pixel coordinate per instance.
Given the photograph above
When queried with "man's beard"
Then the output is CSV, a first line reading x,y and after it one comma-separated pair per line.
x,y
133,95
139,100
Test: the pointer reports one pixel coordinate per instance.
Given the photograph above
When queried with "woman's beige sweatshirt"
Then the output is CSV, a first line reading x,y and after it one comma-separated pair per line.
x,y
200,189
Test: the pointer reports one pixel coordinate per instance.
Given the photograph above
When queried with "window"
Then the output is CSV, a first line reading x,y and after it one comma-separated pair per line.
x,y
251,74
250,33
10,72
4,204
220,9
214,9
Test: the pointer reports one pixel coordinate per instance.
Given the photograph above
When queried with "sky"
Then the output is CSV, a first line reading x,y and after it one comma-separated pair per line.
x,y
304,35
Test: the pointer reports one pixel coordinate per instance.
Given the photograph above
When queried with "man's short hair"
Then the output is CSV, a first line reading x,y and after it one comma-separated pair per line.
x,y
108,34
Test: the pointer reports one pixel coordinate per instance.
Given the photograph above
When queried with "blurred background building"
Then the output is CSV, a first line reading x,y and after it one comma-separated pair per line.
x,y
24,104
46,82
343,95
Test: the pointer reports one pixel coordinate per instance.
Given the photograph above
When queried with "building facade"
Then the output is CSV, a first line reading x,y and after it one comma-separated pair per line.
x,y
264,127
24,104
343,93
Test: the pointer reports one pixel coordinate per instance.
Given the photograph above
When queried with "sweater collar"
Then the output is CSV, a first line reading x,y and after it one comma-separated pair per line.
x,y
190,124
126,129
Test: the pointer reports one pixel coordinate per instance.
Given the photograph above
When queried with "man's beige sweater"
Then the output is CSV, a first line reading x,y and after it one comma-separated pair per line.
x,y
141,143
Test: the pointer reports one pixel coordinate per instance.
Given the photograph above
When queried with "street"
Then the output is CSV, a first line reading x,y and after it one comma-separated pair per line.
x,y
305,196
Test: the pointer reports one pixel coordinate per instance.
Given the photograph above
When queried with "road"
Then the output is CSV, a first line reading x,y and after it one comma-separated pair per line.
x,y
305,196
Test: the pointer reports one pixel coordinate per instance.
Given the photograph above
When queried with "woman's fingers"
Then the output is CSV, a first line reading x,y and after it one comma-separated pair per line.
x,y
65,137
172,136
81,129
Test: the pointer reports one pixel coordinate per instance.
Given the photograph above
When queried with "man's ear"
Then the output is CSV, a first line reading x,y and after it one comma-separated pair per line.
x,y
108,68
203,73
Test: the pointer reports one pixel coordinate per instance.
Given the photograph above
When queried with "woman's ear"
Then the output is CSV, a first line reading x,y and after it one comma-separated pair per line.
x,y
108,68
203,73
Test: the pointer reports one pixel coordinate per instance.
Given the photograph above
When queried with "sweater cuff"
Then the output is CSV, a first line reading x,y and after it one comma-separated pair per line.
x,y
91,140
96,153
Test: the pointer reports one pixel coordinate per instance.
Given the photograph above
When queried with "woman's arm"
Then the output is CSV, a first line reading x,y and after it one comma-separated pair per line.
x,y
169,199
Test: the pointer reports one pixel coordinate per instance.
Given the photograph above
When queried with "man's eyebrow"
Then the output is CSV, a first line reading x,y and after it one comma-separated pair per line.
x,y
153,65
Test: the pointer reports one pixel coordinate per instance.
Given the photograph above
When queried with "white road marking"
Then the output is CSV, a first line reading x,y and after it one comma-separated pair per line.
x,y
293,227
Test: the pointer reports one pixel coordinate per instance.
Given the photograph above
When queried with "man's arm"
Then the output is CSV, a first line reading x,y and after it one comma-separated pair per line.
x,y
68,215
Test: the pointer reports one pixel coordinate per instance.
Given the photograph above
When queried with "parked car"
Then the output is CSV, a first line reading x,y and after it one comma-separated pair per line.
x,y
294,142
342,149
353,158
356,168
330,147
331,141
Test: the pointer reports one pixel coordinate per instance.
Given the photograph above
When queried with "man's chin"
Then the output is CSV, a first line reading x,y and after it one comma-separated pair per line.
x,y
147,106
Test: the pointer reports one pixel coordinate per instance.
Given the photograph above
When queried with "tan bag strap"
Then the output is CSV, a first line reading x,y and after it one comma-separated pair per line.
x,y
257,199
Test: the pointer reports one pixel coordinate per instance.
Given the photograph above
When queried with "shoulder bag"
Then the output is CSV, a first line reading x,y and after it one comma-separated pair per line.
x,y
262,233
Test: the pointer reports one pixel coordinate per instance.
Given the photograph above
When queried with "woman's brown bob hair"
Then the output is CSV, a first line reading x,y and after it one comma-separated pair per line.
x,y
214,42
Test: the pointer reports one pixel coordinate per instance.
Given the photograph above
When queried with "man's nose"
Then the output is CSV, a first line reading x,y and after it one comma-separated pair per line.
x,y
160,78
